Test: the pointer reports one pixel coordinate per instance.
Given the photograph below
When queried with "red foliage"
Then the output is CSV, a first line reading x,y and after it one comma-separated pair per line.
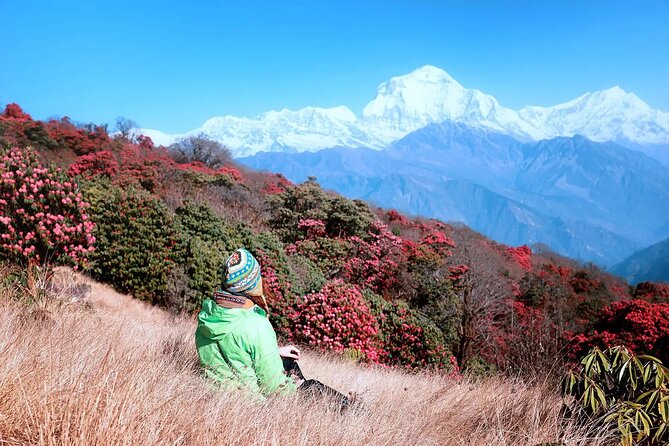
x,y
145,142
95,164
78,140
652,292
457,272
231,172
375,264
641,326
278,186
335,319
438,241
522,255
405,342
312,228
582,283
396,217
14,111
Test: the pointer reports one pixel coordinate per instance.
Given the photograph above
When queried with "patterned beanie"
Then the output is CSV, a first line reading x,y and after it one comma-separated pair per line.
x,y
242,274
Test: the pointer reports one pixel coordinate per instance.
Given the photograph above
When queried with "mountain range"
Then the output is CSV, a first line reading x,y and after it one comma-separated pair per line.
x,y
592,201
430,95
584,177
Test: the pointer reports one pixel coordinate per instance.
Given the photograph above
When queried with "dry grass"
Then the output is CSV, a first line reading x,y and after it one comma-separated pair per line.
x,y
117,372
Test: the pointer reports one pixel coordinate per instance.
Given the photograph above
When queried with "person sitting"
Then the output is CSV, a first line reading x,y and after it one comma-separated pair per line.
x,y
237,345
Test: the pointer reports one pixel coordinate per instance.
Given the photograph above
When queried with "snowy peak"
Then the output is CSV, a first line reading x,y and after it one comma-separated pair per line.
x,y
606,115
429,95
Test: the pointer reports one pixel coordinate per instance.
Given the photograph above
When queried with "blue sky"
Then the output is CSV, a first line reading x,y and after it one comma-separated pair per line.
x,y
170,65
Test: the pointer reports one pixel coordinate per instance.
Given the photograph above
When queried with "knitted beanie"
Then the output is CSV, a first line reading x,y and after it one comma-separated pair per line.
x,y
242,275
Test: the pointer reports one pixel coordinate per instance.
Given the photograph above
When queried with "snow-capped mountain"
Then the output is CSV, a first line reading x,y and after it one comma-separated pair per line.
x,y
307,129
607,115
430,95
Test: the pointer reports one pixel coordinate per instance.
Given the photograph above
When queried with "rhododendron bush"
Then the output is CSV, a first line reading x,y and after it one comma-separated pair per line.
x,y
641,326
43,217
375,262
336,318
407,339
93,164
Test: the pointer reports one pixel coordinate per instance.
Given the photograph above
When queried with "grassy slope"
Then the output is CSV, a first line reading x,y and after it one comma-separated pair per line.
x,y
111,370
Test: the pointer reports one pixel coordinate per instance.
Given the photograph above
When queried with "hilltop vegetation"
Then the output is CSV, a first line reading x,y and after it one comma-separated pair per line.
x,y
415,292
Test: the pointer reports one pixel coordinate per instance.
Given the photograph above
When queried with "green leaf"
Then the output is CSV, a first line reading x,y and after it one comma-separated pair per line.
x,y
605,362
663,409
601,396
646,373
659,433
650,358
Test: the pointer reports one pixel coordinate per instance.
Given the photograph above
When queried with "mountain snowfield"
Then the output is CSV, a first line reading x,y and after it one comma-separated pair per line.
x,y
430,95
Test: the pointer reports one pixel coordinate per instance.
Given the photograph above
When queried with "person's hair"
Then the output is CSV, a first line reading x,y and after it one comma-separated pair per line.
x,y
267,294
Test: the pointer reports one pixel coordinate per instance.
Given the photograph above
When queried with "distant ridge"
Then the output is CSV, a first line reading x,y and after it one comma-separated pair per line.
x,y
647,265
429,95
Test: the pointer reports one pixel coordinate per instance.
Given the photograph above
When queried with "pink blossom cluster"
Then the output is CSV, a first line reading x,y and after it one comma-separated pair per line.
x,y
313,228
438,241
42,215
271,279
337,318
376,261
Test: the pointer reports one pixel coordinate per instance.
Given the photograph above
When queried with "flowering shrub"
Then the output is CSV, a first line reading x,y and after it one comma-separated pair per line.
x,y
394,216
94,164
406,339
43,217
79,140
528,344
521,255
376,260
342,217
456,273
438,241
200,174
641,326
652,292
313,228
143,166
336,319
329,254
276,185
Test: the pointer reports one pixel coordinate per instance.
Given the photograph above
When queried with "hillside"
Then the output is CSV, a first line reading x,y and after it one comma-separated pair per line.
x,y
134,381
647,265
446,336
158,223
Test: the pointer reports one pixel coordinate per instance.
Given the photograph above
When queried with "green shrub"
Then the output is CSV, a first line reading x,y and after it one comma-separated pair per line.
x,y
205,242
405,337
342,217
630,393
308,277
135,239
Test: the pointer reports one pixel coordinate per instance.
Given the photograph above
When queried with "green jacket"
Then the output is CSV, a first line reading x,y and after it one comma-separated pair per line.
x,y
238,349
